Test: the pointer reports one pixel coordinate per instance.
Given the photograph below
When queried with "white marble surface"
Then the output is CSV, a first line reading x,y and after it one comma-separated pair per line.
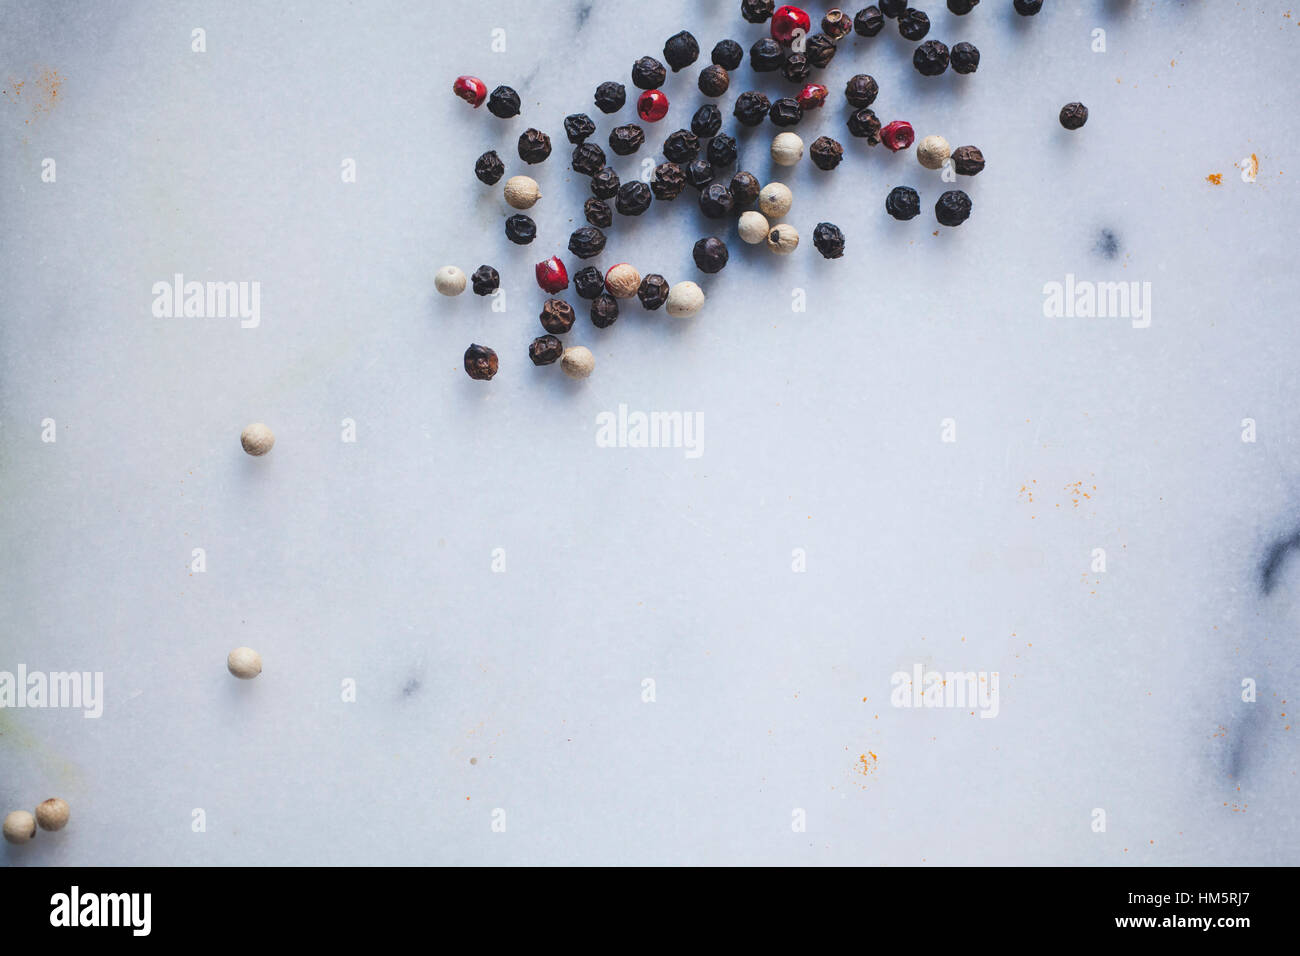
x,y
522,690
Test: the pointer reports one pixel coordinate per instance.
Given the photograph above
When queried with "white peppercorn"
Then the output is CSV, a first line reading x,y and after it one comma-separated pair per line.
x,y
753,227
932,152
787,149
775,200
52,814
522,192
577,361
449,280
783,239
684,299
622,281
244,662
19,826
257,439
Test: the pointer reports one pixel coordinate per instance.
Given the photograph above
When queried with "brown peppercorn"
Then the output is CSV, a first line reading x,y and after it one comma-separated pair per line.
x,y
967,160
826,153
866,125
604,310
557,316
480,362
653,291
598,212
545,350
714,80
745,188
1074,115
668,182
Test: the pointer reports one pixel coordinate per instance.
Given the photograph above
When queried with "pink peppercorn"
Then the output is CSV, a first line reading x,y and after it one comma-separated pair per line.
x,y
787,20
551,275
470,89
652,106
898,135
812,96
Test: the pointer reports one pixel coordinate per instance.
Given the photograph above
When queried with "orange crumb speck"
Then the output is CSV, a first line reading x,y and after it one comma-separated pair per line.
x,y
1215,179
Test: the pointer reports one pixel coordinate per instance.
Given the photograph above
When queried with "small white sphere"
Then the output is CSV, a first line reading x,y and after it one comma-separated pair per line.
x,y
684,299
257,439
449,280
522,192
787,149
622,281
932,152
19,827
775,200
244,662
52,814
783,239
753,227
577,361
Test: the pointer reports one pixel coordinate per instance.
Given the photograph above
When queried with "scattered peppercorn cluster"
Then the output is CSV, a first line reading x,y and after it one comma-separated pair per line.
x,y
700,155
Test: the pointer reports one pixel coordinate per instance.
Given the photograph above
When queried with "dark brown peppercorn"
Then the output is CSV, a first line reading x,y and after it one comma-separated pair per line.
x,y
710,254
869,21
757,11
610,97
765,55
648,73
587,242
715,200
967,160
557,315
930,58
578,126
893,8
826,153
588,282
604,310
480,362
604,183
714,80
1073,115
504,102
489,168
819,49
903,203
861,90
829,240
865,125
953,208
485,280
722,150
796,68
785,112
534,146
681,146
653,291
745,188
751,108
1027,8
837,24
633,198
545,349
681,50
962,7
598,212
728,54
965,58
668,182
626,140
913,24
707,120
699,173
520,229
587,158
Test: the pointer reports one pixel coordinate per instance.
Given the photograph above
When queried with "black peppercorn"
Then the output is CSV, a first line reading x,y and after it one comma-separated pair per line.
x,y
819,49
962,7
681,50
751,108
826,153
587,158
668,182
722,150
1073,115
653,291
953,208
626,140
557,315
861,90
604,310
965,58
534,146
757,11
681,146
707,120
699,173
829,240
745,188
893,8
633,198
485,280
967,160
836,24
489,168
796,68
728,54
587,242
545,349
520,229
785,112
714,80
930,58
913,24
480,362
765,55
504,102
710,254
598,212
903,203
648,73
865,125
604,183
715,201
1027,8
869,21
588,282
610,97
578,126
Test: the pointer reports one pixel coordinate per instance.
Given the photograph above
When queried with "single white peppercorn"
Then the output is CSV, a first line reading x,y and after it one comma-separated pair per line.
x,y
775,200
522,192
449,280
257,439
19,827
932,152
244,662
622,281
684,299
577,361
52,814
787,149
783,239
753,227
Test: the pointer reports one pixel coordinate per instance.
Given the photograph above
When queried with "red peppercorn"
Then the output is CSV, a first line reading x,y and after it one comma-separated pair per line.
x,y
898,135
551,275
787,20
470,89
812,96
652,106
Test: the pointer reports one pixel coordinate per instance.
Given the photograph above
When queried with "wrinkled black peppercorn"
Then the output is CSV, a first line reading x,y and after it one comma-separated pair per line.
x,y
866,125
604,183
626,140
699,173
728,54
710,254
757,11
796,68
819,49
829,240
836,24
588,282
861,90
785,112
545,349
751,108
967,160
653,291
826,153
869,21
681,50
633,198
587,158
480,362
715,200
903,203
648,73
1073,115
604,310
913,24
893,8
485,280
504,102
681,146
765,55
930,58
520,229
953,208
578,126
598,212
610,97
557,315
1027,8
489,168
962,7
707,120
745,188
722,150
714,80
668,182
587,242
534,146
965,58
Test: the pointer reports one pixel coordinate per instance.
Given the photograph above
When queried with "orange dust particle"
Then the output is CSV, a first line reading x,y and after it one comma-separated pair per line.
x,y
1215,179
